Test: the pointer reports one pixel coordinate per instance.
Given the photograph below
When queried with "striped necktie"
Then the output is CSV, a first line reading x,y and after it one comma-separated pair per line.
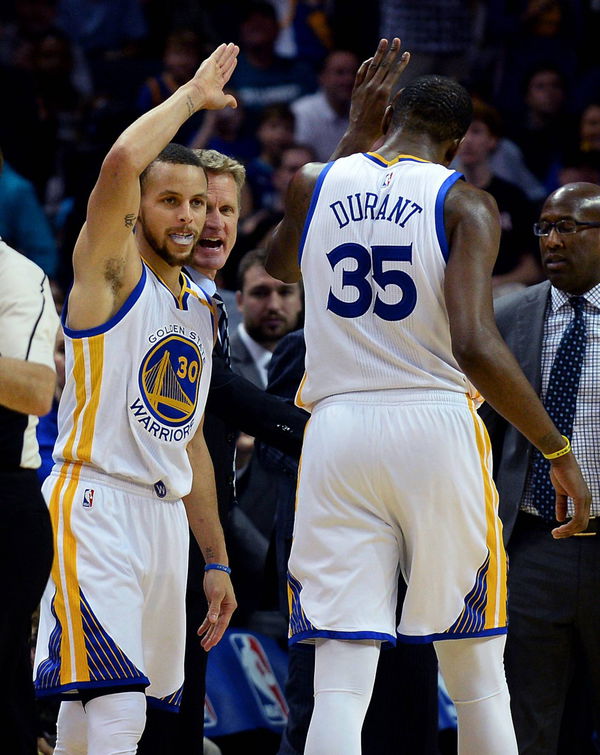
x,y
223,328
560,403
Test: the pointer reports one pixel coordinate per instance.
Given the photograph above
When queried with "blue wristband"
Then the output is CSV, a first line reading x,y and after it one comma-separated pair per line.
x,y
219,567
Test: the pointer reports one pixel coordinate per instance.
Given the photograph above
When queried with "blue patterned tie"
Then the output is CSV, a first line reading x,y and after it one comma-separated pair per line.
x,y
223,328
560,402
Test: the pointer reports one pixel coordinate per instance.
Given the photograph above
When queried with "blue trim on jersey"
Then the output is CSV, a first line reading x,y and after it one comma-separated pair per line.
x,y
311,209
213,309
440,228
333,634
421,639
61,692
128,304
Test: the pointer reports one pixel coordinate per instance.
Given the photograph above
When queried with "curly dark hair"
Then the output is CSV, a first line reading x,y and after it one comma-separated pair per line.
x,y
436,105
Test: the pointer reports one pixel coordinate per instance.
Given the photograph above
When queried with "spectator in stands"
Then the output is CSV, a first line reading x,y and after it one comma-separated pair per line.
x,y
181,58
20,212
544,130
275,132
322,117
589,128
517,264
262,77
257,226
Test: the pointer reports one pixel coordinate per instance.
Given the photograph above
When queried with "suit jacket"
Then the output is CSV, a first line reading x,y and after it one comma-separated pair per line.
x,y
520,319
242,361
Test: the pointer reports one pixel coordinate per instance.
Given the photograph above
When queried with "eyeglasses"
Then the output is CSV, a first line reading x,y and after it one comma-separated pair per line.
x,y
564,226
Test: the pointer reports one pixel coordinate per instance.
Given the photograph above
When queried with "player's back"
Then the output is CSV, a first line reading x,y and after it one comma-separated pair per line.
x,y
373,259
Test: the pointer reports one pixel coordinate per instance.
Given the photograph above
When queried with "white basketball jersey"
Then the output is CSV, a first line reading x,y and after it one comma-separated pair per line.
x,y
373,258
136,387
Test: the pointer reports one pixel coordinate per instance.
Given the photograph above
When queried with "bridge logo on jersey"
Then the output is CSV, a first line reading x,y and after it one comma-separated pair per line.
x,y
169,379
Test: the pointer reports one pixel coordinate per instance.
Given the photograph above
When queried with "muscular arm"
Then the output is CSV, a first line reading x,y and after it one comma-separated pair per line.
x,y
375,80
472,225
282,248
201,508
106,261
26,387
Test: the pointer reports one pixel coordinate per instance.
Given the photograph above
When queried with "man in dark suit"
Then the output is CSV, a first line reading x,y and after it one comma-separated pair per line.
x,y
554,611
270,309
234,403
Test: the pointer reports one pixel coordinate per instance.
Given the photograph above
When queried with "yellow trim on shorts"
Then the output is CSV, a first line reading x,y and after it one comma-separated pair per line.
x,y
495,611
298,399
73,653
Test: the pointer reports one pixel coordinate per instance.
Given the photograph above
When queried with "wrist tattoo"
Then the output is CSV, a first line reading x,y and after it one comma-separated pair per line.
x,y
129,220
190,105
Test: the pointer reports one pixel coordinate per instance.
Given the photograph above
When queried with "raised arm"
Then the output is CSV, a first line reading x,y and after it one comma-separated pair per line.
x,y
282,259
375,81
106,261
472,225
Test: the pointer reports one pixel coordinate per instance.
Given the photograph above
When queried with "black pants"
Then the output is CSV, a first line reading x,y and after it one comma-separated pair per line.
x,y
25,562
553,636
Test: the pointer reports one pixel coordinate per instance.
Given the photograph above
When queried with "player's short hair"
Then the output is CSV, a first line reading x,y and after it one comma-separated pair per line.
x,y
216,162
173,153
434,105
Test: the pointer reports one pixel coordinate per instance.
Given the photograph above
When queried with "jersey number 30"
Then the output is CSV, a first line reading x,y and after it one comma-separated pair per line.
x,y
370,267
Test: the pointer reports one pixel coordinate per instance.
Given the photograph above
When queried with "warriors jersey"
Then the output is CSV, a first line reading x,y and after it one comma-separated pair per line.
x,y
373,258
136,387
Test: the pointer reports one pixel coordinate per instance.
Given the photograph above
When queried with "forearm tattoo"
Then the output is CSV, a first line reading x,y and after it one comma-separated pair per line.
x,y
129,220
190,105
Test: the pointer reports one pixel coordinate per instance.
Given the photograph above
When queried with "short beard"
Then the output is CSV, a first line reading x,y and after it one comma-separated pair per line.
x,y
163,252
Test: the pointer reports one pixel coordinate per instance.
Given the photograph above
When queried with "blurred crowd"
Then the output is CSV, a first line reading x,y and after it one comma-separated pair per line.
x,y
75,73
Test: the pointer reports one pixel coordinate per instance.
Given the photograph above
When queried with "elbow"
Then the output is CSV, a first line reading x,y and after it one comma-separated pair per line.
x,y
122,160
42,400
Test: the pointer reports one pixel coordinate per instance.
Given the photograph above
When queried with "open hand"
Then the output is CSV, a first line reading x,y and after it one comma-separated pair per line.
x,y
221,605
213,75
375,81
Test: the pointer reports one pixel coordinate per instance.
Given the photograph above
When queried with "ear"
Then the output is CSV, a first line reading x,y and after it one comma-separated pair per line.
x,y
387,119
451,150
238,299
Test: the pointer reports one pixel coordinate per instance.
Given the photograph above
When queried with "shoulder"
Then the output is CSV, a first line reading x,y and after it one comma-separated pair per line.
x,y
507,306
18,274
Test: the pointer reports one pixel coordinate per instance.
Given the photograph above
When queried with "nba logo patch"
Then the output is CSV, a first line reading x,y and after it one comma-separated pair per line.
x,y
261,678
88,498
387,180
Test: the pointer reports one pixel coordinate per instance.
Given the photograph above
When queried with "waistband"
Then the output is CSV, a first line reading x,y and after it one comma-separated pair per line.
x,y
91,474
397,396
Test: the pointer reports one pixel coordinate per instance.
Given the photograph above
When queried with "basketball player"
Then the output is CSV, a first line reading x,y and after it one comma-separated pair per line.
x,y
130,457
396,255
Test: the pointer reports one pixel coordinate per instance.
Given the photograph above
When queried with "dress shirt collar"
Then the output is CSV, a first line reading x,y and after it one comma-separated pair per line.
x,y
559,298
259,354
206,284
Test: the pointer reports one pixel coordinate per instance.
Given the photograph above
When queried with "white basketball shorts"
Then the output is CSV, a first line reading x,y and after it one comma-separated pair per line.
x,y
389,481
113,613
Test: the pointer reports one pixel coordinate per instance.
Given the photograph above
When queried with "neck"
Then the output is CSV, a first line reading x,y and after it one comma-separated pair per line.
x,y
170,276
416,145
478,175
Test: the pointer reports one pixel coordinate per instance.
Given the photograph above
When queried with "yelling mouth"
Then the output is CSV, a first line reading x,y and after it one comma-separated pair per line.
x,y
211,244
